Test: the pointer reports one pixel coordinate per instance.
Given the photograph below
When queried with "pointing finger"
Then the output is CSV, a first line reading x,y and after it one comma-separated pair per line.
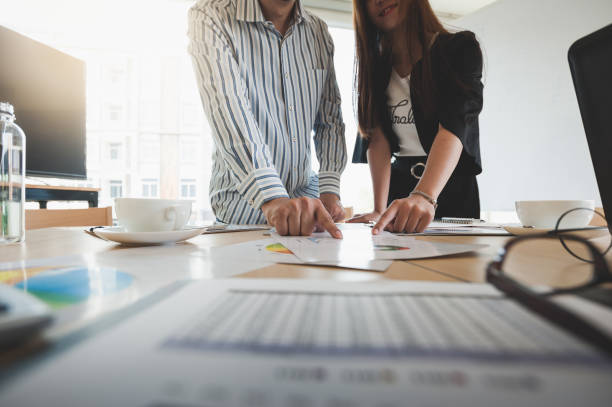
x,y
326,222
384,220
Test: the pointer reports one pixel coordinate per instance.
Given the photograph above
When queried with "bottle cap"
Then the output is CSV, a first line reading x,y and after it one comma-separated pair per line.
x,y
7,108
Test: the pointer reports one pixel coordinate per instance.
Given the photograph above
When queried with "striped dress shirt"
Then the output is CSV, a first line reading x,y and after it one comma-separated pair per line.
x,y
265,96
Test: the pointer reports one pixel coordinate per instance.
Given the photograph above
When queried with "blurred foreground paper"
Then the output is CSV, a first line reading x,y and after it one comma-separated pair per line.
x,y
312,343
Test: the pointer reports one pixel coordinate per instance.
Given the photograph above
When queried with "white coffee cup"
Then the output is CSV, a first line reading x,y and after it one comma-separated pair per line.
x,y
152,215
545,214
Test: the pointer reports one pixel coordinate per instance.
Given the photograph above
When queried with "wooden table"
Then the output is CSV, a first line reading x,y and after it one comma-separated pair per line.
x,y
469,267
72,241
53,242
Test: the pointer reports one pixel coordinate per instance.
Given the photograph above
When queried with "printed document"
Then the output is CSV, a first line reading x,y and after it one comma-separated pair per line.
x,y
271,251
358,243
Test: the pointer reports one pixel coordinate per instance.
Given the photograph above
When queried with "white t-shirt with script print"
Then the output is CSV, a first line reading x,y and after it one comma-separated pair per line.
x,y
402,118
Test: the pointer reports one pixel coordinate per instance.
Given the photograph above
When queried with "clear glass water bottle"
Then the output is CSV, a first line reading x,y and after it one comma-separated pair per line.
x,y
12,177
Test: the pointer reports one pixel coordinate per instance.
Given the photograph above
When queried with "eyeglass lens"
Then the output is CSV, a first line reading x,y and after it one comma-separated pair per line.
x,y
541,264
572,222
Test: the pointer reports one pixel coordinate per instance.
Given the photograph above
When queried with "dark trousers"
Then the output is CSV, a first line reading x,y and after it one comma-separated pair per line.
x,y
458,199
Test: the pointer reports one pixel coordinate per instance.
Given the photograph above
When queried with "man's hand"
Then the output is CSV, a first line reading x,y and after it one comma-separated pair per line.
x,y
332,203
299,216
410,215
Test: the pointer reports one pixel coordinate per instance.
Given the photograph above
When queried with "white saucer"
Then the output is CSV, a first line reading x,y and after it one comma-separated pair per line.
x,y
119,235
589,232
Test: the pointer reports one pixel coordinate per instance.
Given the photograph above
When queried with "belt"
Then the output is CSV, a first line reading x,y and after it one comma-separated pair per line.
x,y
416,165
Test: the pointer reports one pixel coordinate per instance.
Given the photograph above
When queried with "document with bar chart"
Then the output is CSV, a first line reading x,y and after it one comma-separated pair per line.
x,y
390,323
253,343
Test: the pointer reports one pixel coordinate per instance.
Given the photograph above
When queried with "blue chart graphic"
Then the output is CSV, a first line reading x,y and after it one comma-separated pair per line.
x,y
62,286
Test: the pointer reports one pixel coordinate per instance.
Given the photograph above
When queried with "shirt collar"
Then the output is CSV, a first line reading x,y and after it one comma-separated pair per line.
x,y
250,11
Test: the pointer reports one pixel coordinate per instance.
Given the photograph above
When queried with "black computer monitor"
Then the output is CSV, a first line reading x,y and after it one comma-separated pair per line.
x,y
47,89
590,60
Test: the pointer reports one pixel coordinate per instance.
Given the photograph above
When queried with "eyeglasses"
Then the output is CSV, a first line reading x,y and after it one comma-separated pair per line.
x,y
561,229
517,273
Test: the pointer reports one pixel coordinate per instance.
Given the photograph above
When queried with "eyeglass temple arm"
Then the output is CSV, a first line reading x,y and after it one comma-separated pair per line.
x,y
556,314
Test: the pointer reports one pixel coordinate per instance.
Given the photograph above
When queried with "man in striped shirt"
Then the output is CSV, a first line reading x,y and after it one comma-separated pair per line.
x,y
266,77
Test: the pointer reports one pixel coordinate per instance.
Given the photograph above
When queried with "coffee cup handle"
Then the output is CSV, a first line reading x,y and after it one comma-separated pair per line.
x,y
174,214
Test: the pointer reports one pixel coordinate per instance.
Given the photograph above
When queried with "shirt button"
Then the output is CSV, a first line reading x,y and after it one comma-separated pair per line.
x,y
294,138
286,75
290,107
251,202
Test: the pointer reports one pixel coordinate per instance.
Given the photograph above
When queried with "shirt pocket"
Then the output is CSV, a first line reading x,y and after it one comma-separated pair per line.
x,y
314,91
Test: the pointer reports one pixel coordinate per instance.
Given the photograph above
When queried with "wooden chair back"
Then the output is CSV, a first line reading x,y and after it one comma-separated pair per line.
x,y
46,218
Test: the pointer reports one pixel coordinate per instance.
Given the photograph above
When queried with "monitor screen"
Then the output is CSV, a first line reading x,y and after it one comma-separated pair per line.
x,y
47,89
590,61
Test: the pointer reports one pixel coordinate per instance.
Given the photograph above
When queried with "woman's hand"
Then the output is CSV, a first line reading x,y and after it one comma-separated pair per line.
x,y
365,217
409,215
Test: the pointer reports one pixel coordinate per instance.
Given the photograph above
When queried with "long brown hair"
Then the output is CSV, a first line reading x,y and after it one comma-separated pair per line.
x,y
373,63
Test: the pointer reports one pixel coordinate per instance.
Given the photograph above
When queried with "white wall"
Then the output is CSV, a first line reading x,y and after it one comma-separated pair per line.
x,y
532,139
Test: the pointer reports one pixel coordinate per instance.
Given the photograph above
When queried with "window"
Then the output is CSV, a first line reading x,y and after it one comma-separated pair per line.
x,y
190,115
136,82
188,188
114,112
114,151
150,113
150,187
188,152
93,158
116,188
149,149
116,75
116,71
356,188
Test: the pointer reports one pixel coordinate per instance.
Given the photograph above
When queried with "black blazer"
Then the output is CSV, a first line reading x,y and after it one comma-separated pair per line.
x,y
456,61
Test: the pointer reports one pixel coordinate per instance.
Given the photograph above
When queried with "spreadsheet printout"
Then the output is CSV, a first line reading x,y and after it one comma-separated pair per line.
x,y
295,343
390,324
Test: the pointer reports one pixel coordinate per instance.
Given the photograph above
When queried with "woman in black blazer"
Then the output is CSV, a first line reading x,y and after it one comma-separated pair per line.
x,y
419,94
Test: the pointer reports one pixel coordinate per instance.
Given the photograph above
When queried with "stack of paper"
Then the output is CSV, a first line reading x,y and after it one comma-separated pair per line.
x,y
473,229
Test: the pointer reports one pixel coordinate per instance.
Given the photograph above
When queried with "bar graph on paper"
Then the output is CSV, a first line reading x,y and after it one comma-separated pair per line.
x,y
382,325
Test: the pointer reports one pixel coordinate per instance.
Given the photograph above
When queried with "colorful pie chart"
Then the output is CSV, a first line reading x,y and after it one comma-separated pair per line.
x,y
278,248
389,248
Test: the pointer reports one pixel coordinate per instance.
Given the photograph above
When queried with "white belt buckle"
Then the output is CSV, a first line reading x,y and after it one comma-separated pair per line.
x,y
414,167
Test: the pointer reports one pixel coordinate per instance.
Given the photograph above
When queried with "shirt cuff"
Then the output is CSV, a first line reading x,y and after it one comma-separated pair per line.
x,y
329,183
262,185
